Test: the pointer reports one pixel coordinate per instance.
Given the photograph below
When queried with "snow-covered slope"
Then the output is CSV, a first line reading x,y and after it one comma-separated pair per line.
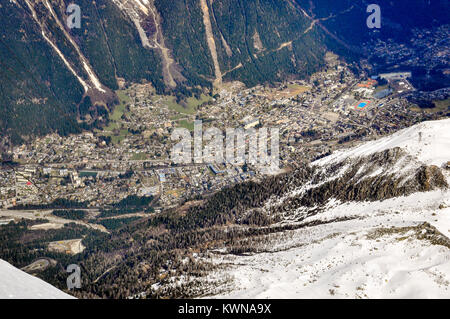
x,y
385,252
409,161
16,284
393,247
428,142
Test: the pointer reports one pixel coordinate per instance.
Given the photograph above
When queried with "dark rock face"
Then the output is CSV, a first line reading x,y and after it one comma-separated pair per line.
x,y
430,177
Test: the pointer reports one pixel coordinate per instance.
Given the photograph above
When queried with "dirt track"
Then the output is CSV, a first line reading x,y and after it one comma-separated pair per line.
x,y
211,42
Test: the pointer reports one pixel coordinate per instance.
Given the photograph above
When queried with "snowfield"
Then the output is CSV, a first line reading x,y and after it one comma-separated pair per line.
x,y
359,258
428,141
394,248
16,284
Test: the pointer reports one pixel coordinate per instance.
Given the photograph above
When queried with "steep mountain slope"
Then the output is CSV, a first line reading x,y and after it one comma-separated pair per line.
x,y
51,76
16,284
428,142
339,227
376,224
409,161
392,255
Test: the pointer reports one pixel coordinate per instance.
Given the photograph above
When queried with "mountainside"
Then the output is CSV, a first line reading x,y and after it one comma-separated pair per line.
x,y
16,284
53,78
389,241
385,251
371,221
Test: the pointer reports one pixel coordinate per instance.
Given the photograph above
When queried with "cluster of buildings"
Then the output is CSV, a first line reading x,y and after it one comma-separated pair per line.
x,y
132,155
427,49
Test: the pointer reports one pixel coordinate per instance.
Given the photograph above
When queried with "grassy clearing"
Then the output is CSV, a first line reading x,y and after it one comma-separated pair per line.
x,y
441,106
186,124
118,138
111,126
139,157
120,109
190,107
114,119
292,90
195,103
177,117
180,108
298,87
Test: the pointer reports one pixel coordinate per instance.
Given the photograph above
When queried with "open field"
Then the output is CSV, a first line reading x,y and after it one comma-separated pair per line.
x,y
72,246
115,117
119,137
47,226
291,91
120,109
53,223
174,106
186,124
441,106
195,103
190,107
139,156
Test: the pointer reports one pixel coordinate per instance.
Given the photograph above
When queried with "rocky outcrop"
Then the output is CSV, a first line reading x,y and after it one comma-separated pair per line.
x,y
430,177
